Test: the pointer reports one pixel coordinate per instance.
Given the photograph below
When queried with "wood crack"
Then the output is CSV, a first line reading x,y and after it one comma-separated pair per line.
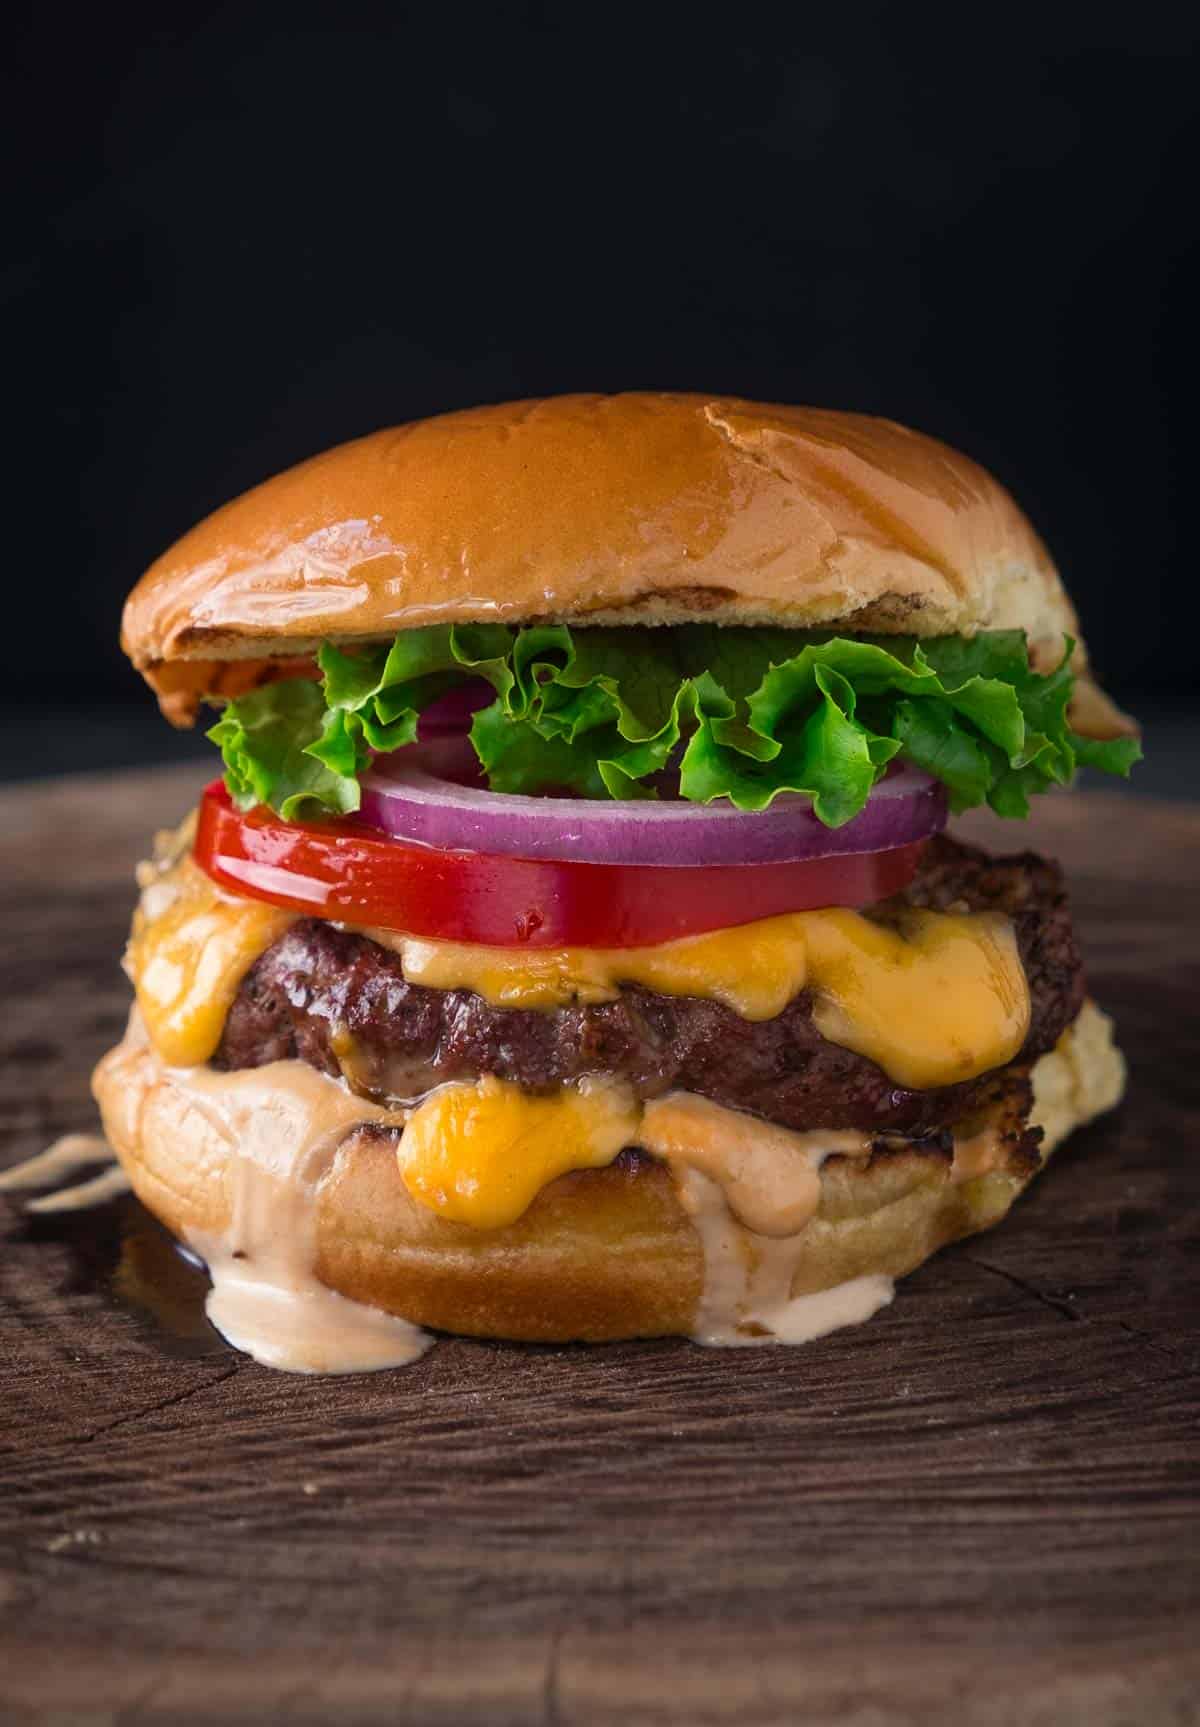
x,y
1055,1303
163,1403
1067,1310
1156,1343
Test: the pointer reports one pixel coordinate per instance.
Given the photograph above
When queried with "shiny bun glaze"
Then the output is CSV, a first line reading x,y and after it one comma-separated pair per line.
x,y
600,1254
640,508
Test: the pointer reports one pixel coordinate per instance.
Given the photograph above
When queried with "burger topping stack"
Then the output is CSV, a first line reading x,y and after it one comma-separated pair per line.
x,y
573,948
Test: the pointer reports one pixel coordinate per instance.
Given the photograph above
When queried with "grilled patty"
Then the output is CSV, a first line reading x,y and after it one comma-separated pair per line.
x,y
340,1002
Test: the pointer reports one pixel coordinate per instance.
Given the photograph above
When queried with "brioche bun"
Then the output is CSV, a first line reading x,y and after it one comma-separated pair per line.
x,y
642,508
600,1254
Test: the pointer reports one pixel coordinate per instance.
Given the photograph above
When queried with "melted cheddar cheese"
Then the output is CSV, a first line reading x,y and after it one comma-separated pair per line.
x,y
481,1153
756,969
940,999
936,999
190,948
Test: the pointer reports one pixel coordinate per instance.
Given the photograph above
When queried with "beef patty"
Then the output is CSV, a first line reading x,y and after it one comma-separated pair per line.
x,y
340,1002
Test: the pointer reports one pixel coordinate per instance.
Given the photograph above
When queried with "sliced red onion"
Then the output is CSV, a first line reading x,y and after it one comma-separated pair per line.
x,y
425,794
451,715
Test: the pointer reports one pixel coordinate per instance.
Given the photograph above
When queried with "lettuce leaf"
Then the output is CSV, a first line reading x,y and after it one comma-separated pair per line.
x,y
742,714
265,739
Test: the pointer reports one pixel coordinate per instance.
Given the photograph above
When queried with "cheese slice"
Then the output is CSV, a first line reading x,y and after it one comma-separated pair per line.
x,y
940,999
936,998
191,947
755,969
481,1153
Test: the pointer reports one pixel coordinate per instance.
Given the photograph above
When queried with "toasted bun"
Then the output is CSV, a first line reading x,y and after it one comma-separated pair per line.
x,y
600,1254
642,508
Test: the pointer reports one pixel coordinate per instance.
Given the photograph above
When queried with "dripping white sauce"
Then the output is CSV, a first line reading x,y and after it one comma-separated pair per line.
x,y
747,1295
270,1136
770,1176
751,1190
291,1321
283,1124
74,1151
109,1185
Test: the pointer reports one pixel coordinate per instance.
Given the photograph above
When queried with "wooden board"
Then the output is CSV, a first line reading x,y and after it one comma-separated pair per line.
x,y
981,1507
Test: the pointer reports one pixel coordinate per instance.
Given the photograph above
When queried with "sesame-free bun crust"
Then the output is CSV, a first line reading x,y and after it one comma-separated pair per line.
x,y
640,508
600,1254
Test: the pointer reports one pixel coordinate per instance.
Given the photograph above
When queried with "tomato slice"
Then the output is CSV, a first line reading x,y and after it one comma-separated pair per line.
x,y
358,875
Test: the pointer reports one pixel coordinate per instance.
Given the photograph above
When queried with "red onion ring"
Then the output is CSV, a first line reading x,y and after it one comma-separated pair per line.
x,y
451,715
425,794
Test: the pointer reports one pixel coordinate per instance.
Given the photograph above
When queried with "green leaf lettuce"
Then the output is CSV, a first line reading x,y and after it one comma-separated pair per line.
x,y
742,714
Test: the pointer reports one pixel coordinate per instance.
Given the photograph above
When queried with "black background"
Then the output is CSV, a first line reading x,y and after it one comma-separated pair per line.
x,y
238,236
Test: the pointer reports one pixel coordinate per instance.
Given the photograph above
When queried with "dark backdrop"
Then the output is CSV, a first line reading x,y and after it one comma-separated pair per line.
x,y
239,237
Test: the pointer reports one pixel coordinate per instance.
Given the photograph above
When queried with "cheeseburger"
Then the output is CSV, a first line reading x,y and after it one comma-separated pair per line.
x,y
573,947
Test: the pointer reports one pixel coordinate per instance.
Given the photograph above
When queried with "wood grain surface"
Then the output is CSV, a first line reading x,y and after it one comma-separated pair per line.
x,y
983,1507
